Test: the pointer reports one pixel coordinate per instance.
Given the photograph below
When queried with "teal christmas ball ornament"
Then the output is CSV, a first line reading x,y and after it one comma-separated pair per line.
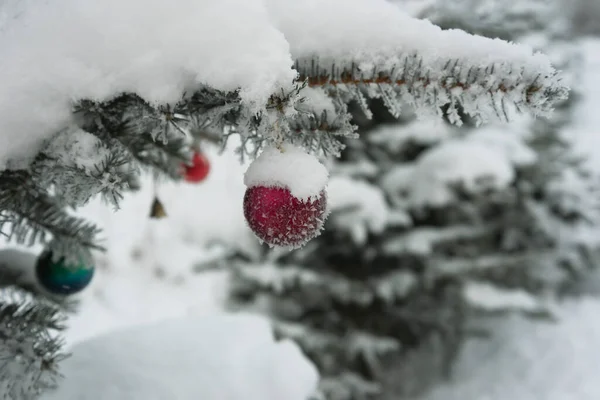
x,y
60,278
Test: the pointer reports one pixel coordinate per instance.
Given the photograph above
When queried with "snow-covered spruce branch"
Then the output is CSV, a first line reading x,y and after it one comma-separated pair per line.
x,y
29,349
388,54
482,90
146,115
28,214
150,137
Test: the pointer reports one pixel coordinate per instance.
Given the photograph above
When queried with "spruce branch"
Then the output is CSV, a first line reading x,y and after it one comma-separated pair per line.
x,y
110,178
32,215
318,135
154,137
482,90
30,349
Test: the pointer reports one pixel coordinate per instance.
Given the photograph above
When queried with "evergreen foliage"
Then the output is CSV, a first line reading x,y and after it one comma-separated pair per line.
x,y
356,294
433,228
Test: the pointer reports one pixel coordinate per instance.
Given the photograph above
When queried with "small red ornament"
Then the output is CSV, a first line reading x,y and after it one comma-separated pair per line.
x,y
199,169
280,219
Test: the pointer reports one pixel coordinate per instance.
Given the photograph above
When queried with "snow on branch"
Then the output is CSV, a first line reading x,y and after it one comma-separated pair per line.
x,y
56,54
463,266
374,47
86,105
491,298
31,215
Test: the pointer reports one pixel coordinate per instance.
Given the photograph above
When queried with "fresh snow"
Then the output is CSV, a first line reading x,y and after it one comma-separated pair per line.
x,y
474,166
426,132
490,298
316,100
509,143
369,31
289,167
147,275
77,148
55,52
376,36
149,270
586,119
220,357
531,359
357,206
484,159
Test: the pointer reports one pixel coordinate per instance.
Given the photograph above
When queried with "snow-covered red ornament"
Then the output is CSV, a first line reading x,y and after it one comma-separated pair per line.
x,y
285,203
198,170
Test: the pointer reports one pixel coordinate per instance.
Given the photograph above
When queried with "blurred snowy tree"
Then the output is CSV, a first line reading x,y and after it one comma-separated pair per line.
x,y
586,17
433,225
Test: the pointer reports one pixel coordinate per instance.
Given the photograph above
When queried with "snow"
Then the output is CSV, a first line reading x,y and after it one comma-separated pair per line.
x,y
55,52
474,166
426,132
506,142
148,272
398,181
77,148
146,276
316,100
531,359
421,241
374,37
483,160
233,357
491,298
584,129
357,206
373,31
291,168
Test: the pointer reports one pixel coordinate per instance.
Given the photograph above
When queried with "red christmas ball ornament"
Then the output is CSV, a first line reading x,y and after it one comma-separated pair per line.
x,y
199,169
280,219
285,203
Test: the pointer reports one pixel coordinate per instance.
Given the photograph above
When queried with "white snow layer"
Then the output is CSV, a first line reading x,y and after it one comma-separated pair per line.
x,y
528,359
361,207
508,142
369,31
491,298
55,52
222,357
425,132
485,159
77,148
584,128
294,169
475,166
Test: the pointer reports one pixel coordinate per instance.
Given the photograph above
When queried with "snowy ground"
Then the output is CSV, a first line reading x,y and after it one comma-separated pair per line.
x,y
526,360
220,357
